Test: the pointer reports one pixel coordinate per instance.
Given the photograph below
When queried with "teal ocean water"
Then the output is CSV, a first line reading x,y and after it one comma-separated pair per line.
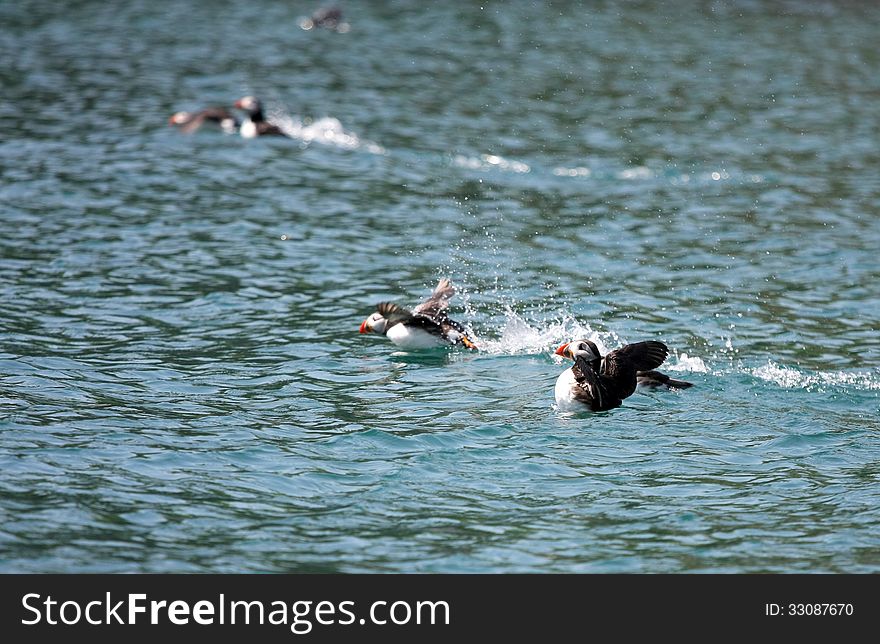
x,y
182,383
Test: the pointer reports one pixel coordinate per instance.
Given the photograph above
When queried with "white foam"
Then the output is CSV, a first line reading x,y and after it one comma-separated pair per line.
x,y
684,362
579,171
327,130
638,172
518,337
490,162
790,378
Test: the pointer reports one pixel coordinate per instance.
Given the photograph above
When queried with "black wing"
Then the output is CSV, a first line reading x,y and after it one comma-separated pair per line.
x,y
216,114
213,114
268,129
327,15
640,356
657,379
394,313
436,305
589,388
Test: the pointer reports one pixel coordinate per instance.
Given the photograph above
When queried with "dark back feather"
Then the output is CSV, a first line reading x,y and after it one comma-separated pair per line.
x,y
394,313
264,128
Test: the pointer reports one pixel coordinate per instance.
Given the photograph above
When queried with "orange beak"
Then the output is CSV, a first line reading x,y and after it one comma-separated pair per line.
x,y
237,104
364,327
561,350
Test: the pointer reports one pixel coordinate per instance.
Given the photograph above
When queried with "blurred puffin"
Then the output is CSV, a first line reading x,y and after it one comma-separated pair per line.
x,y
600,383
326,17
191,121
426,326
255,124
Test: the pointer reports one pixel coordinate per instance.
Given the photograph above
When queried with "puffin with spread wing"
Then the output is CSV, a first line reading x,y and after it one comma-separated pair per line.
x,y
599,383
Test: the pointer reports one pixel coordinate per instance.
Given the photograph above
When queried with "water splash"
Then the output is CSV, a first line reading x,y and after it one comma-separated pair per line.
x,y
636,173
327,130
790,378
490,162
578,171
684,362
516,336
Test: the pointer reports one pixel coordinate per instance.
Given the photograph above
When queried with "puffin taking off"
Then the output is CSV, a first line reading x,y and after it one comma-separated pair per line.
x,y
426,326
255,124
191,121
600,383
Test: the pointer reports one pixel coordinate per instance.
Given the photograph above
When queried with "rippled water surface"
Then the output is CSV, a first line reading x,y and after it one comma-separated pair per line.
x,y
182,384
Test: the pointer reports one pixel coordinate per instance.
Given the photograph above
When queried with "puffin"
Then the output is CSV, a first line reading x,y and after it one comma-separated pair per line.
x,y
600,383
191,121
255,124
326,17
426,326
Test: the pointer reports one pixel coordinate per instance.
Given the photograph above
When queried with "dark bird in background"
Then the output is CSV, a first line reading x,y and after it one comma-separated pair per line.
x,y
600,383
326,18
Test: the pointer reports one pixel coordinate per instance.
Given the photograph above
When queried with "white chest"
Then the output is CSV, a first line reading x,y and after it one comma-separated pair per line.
x,y
413,338
248,129
565,400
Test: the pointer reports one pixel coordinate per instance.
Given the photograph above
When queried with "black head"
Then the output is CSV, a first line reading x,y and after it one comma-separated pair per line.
x,y
583,349
252,106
